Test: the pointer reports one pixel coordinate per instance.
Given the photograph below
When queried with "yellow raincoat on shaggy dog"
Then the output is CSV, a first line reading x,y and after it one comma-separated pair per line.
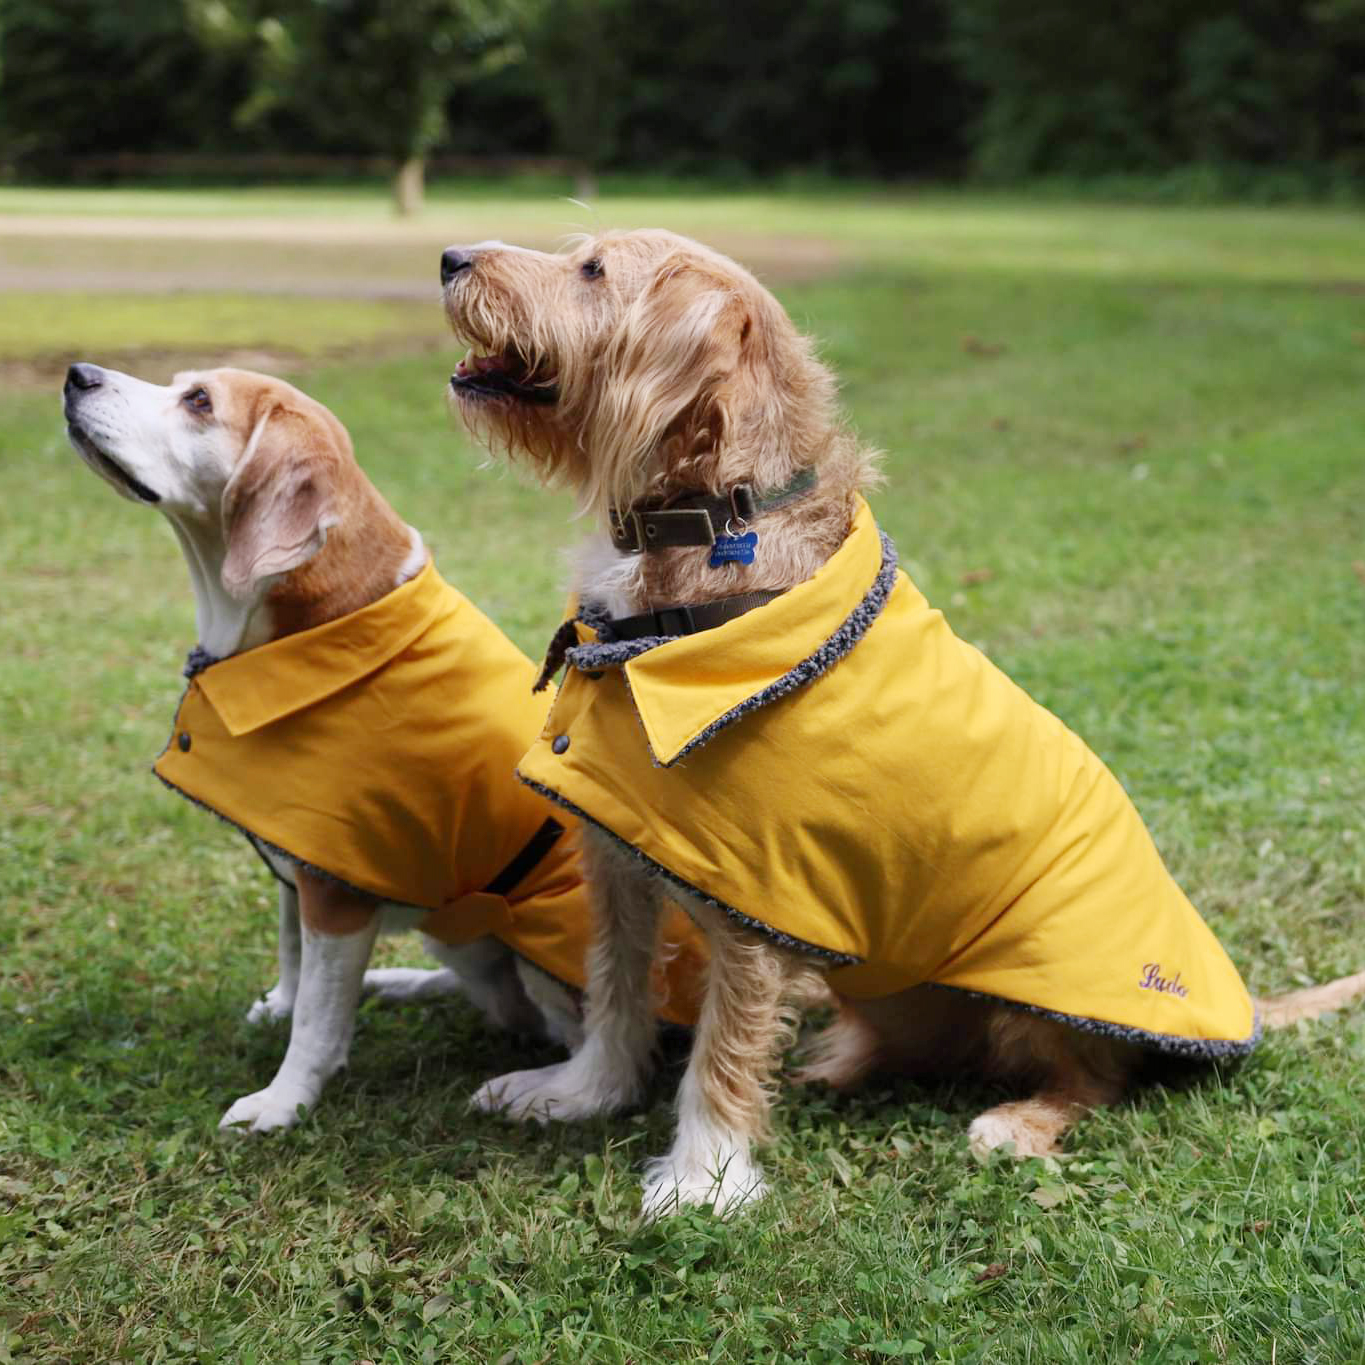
x,y
379,748
837,769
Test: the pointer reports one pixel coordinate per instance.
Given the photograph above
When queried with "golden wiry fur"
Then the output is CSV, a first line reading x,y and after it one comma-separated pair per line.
x,y
676,371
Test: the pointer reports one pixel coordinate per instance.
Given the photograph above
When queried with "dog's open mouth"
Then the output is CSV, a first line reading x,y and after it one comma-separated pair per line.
x,y
507,375
111,469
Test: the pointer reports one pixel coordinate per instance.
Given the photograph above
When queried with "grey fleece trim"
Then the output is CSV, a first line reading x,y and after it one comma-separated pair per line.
x,y
832,958
590,658
1201,1049
197,660
611,653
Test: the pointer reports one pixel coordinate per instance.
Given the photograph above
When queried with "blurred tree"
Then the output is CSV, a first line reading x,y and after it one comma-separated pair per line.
x,y
371,75
86,77
1340,24
852,86
576,53
1073,90
860,87
1068,88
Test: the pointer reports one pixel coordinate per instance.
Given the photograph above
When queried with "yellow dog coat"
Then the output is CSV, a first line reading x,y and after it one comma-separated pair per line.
x,y
379,749
839,770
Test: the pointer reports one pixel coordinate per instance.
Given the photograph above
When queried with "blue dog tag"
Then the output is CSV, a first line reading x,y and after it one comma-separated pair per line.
x,y
734,549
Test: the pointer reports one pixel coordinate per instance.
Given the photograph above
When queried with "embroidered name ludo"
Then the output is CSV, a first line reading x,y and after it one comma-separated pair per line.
x,y
1152,980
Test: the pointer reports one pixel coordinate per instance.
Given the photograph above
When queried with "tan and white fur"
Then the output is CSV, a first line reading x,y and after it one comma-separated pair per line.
x,y
281,531
671,368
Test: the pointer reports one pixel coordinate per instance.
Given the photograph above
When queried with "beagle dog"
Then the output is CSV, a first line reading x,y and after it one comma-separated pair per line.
x,y
356,718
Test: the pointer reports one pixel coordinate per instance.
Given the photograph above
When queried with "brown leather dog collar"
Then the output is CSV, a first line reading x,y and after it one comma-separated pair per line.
x,y
697,518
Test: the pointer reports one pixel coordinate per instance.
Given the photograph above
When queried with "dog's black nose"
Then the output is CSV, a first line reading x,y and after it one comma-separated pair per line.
x,y
83,377
453,260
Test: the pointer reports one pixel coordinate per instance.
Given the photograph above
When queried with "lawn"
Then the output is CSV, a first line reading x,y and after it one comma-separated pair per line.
x,y
1123,452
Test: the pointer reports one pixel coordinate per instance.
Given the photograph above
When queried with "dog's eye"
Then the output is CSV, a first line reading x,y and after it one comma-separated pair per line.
x,y
198,400
590,270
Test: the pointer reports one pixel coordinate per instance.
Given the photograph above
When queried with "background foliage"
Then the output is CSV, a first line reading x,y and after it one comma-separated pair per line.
x,y
928,88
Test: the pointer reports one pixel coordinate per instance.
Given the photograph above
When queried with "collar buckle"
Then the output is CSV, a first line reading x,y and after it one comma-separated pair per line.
x,y
693,517
636,530
626,532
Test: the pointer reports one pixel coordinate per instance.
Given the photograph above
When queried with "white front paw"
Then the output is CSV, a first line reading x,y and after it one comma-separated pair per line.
x,y
273,1005
987,1132
266,1110
561,1091
999,1127
727,1184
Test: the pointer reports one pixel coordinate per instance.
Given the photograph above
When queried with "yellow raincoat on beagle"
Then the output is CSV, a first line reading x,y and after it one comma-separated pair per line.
x,y
380,748
838,769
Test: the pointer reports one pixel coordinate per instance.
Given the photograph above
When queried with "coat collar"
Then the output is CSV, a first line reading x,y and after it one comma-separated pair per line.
x,y
263,685
688,688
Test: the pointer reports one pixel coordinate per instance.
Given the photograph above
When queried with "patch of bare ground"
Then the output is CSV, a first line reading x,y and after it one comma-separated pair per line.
x,y
313,257
326,258
159,363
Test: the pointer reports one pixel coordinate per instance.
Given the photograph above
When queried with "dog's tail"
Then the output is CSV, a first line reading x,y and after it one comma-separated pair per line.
x,y
1279,1011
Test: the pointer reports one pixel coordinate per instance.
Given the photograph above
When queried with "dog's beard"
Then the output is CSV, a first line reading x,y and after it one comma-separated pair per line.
x,y
521,433
532,392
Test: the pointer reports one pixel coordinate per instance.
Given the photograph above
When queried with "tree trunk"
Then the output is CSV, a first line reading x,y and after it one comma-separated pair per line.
x,y
584,182
408,186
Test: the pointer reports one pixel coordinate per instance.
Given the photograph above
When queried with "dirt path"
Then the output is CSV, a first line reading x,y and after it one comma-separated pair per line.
x,y
47,371
318,256
340,257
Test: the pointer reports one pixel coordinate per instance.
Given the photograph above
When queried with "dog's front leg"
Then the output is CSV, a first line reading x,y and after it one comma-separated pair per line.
x,y
749,1014
278,1001
338,933
610,1069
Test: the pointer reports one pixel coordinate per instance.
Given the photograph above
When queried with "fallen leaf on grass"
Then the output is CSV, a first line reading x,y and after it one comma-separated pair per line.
x,y
975,346
1049,1196
973,576
843,1168
433,1308
1132,443
1358,568
992,1272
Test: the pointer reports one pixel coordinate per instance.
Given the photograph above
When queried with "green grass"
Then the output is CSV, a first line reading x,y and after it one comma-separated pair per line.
x,y
35,326
1162,472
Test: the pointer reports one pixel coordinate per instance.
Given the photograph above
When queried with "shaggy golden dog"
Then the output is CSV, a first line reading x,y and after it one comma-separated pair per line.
x,y
764,720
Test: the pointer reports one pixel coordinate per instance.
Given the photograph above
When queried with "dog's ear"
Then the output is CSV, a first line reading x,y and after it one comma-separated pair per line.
x,y
278,505
665,369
